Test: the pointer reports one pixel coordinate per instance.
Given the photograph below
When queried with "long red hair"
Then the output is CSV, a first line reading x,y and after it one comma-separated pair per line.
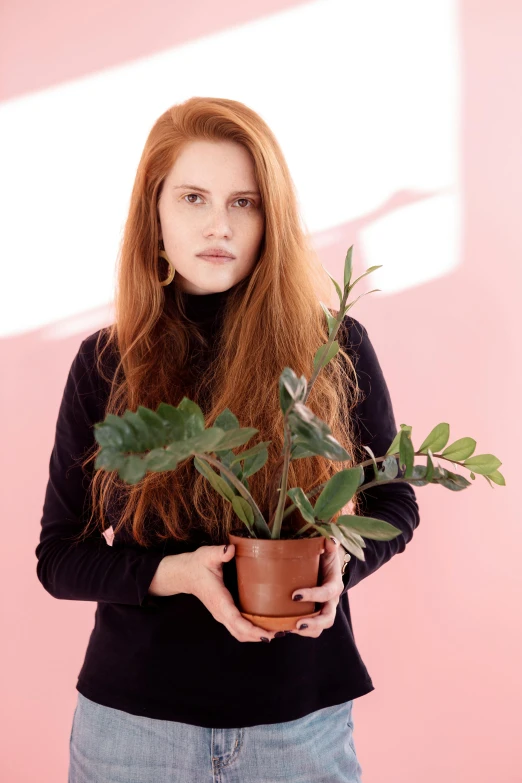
x,y
272,319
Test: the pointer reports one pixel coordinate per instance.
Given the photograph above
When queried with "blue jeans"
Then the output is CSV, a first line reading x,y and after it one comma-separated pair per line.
x,y
112,746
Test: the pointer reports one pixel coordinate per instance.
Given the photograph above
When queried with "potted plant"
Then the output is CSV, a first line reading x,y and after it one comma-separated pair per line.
x,y
270,565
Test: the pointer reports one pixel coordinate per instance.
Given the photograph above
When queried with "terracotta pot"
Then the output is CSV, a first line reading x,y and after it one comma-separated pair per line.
x,y
269,570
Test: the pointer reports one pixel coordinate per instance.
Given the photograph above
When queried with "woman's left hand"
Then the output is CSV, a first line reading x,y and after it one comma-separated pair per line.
x,y
327,593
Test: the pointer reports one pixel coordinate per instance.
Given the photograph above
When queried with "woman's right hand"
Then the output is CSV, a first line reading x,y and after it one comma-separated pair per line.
x,y
204,575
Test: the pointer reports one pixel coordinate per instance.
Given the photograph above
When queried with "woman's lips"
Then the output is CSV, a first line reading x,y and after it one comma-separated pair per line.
x,y
217,259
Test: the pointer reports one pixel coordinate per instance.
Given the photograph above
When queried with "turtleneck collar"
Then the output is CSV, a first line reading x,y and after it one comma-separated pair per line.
x,y
203,308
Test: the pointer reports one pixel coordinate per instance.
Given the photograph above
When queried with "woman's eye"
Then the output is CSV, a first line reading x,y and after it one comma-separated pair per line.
x,y
198,196
192,194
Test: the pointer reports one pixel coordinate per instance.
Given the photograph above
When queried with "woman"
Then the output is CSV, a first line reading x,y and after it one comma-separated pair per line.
x,y
176,685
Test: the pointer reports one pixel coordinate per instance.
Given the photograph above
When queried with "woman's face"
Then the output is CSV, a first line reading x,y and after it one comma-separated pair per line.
x,y
210,199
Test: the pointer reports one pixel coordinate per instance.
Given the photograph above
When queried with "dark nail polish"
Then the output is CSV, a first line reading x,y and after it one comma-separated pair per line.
x,y
302,627
297,597
264,639
225,549
280,633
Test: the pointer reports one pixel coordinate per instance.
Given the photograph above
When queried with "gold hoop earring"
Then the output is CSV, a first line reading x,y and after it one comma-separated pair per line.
x,y
172,270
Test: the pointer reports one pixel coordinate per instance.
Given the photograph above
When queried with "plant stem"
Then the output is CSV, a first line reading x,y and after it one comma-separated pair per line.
x,y
415,454
363,487
287,449
369,484
302,530
259,520
326,347
281,513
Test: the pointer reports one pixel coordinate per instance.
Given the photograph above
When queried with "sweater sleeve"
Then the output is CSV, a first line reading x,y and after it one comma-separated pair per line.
x,y
88,570
376,427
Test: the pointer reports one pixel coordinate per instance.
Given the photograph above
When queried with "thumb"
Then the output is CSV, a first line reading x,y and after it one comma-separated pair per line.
x,y
227,555
331,545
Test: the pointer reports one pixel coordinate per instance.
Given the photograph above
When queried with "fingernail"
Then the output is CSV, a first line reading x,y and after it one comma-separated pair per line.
x,y
297,597
334,540
302,627
264,639
279,633
225,549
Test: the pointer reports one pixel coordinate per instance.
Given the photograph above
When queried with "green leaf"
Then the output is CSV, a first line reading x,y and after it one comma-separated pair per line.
x,y
437,439
300,451
324,446
336,284
497,477
390,468
394,445
369,527
418,477
406,453
349,307
439,472
429,467
107,436
217,481
127,432
368,272
483,463
206,440
460,449
253,459
234,438
338,491
156,428
254,463
331,320
453,481
227,420
291,388
221,485
141,430
375,466
109,458
244,511
193,416
227,458
314,433
132,470
339,534
321,359
159,460
323,529
251,452
181,449
299,498
348,267
173,422
353,542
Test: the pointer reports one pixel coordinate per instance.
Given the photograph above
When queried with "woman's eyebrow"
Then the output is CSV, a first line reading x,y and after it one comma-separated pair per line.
x,y
235,193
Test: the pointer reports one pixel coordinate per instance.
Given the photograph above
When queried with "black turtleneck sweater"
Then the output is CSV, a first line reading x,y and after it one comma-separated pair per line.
x,y
167,657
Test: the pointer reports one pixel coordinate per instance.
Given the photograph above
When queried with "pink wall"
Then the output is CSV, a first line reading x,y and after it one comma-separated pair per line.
x,y
439,628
